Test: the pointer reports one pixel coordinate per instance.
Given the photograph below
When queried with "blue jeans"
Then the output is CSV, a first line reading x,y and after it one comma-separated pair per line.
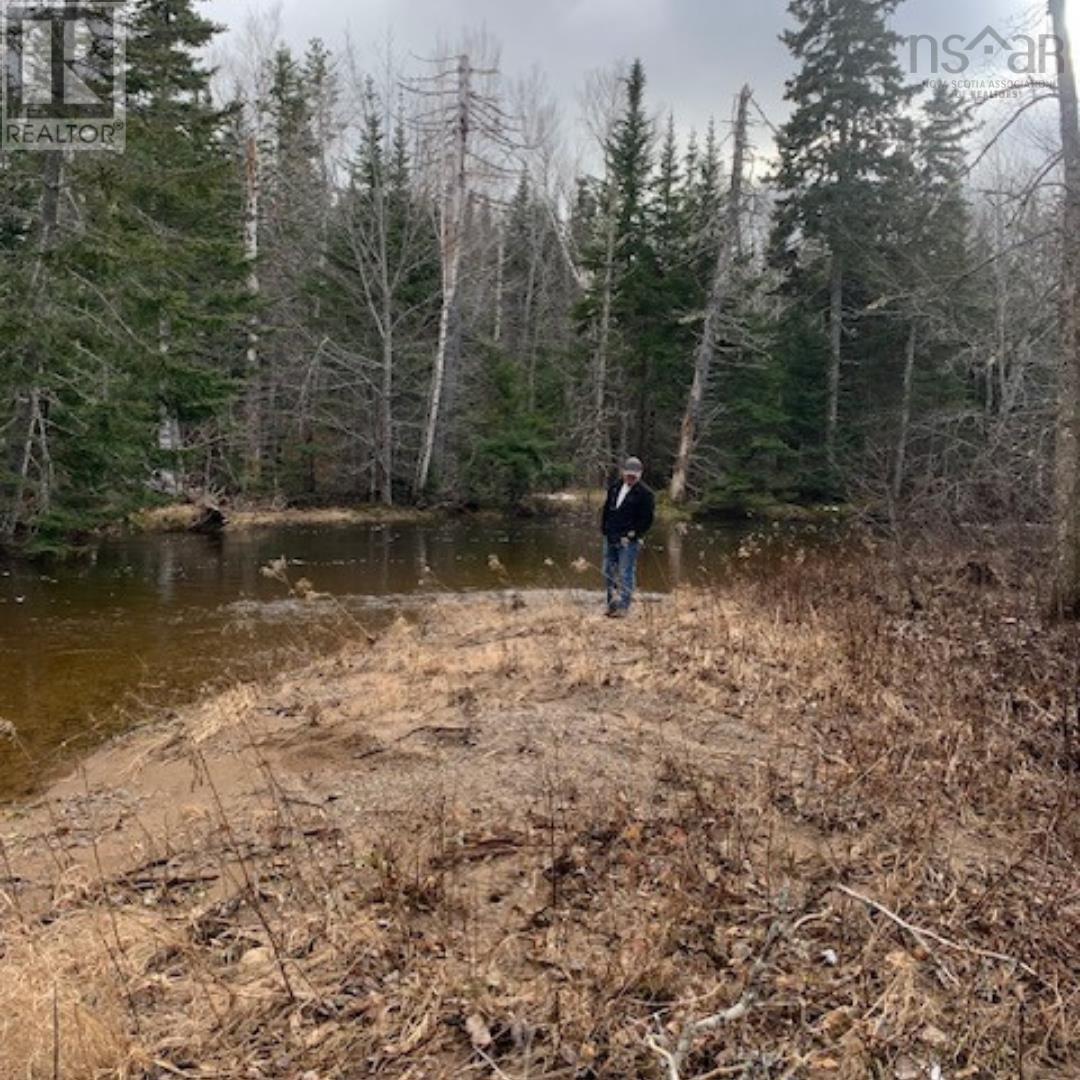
x,y
620,571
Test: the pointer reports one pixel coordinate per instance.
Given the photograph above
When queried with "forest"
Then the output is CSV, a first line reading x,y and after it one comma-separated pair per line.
x,y
313,280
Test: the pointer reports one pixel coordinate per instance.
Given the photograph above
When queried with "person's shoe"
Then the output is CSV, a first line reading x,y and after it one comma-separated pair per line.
x,y
612,611
618,613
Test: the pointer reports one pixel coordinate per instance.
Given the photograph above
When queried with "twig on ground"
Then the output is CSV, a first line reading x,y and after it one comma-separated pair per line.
x,y
674,1059
922,936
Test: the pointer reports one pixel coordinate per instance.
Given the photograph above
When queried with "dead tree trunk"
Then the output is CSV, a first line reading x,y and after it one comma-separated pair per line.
x,y
528,341
905,413
1066,594
452,223
601,435
463,128
730,249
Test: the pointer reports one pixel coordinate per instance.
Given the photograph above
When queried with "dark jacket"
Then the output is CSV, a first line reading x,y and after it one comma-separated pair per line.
x,y
634,516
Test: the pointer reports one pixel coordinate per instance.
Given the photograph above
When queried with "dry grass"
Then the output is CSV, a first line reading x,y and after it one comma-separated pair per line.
x,y
182,517
821,823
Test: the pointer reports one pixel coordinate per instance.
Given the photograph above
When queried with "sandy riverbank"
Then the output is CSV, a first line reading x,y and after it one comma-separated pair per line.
x,y
516,839
183,516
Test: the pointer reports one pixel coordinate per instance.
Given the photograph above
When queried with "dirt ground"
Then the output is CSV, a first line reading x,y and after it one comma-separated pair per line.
x,y
820,823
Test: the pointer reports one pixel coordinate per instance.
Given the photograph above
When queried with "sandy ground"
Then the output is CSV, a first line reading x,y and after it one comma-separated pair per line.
x,y
480,709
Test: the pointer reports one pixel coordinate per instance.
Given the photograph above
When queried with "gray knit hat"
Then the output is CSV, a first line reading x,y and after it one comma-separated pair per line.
x,y
633,465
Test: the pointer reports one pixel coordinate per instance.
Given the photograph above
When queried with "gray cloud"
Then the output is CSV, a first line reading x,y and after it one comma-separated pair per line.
x,y
697,52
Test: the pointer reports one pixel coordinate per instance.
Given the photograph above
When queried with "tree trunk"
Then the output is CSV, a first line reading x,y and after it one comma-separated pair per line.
x,y
528,344
500,258
601,435
385,437
836,339
905,414
169,438
453,222
1066,594
253,419
438,378
729,251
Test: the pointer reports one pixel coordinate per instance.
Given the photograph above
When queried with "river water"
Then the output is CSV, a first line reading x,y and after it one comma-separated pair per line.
x,y
147,622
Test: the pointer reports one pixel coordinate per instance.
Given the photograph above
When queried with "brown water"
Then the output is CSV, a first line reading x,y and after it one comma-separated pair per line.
x,y
90,647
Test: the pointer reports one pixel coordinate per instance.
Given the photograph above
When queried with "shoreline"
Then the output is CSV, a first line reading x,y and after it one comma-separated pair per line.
x,y
516,832
182,517
571,502
576,502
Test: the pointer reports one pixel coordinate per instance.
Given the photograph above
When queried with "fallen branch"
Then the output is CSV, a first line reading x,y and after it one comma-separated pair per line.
x,y
674,1059
922,935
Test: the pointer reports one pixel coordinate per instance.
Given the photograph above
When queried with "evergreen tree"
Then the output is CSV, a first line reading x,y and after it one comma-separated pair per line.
x,y
143,285
838,153
941,160
636,298
283,319
706,198
519,269
680,294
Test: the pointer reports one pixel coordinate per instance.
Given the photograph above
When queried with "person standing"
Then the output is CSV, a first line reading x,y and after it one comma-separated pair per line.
x,y
628,515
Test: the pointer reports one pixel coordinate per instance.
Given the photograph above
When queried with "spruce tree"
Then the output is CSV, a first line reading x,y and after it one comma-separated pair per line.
x,y
705,184
636,297
178,215
837,154
680,293
144,289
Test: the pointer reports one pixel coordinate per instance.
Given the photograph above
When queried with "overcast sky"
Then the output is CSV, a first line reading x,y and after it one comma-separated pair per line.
x,y
696,52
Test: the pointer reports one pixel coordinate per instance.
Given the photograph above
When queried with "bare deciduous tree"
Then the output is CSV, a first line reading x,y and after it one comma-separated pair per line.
x,y
467,129
1067,523
728,253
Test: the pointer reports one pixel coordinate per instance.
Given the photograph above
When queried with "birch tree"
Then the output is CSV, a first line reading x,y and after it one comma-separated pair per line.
x,y
251,68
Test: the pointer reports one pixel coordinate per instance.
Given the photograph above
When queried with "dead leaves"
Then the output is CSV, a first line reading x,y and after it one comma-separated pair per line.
x,y
478,1032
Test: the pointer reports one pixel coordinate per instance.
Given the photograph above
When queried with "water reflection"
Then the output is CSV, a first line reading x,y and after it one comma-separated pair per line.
x,y
153,619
